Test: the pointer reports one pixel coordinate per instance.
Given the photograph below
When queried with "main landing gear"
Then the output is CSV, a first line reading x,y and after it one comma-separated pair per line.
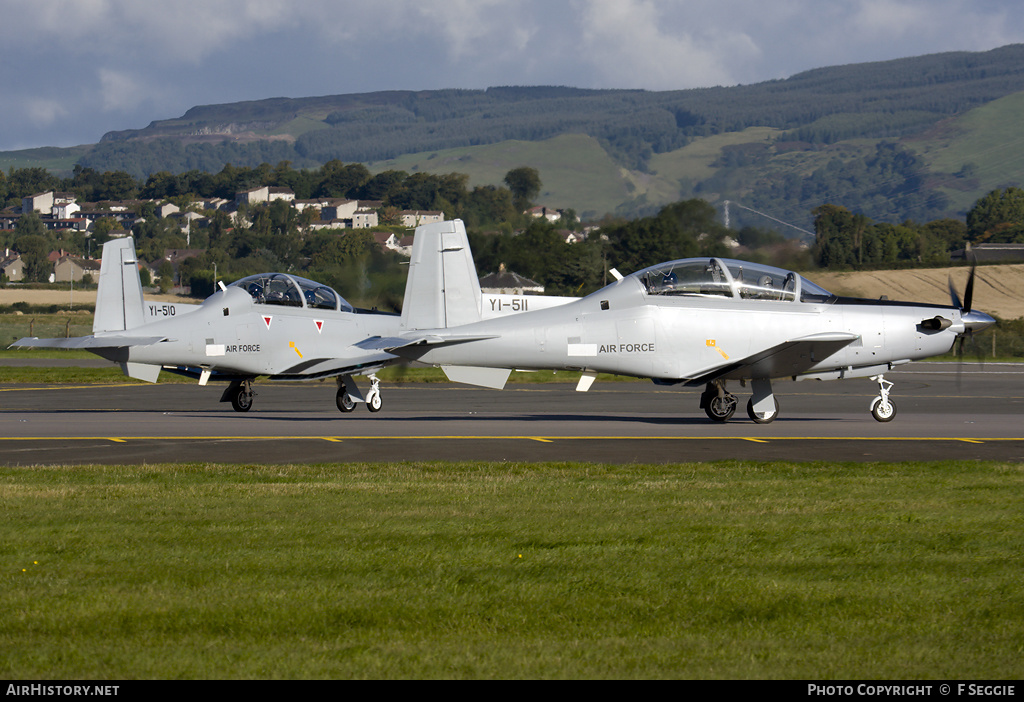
x,y
240,395
349,394
762,408
720,405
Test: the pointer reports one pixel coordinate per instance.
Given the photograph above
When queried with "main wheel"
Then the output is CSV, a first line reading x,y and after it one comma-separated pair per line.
x,y
374,403
883,411
720,408
762,417
344,401
241,400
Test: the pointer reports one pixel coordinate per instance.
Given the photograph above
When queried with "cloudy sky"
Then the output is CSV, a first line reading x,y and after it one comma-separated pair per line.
x,y
71,70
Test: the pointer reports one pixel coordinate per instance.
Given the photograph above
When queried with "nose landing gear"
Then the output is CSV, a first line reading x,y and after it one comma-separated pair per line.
x,y
882,408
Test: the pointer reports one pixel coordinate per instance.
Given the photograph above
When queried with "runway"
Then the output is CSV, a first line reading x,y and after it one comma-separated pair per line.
x,y
943,413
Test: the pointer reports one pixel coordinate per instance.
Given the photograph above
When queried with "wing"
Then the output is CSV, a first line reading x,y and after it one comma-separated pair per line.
x,y
788,358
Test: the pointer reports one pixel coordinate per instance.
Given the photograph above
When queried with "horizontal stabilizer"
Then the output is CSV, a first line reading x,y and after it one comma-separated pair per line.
x,y
474,375
387,343
87,342
392,344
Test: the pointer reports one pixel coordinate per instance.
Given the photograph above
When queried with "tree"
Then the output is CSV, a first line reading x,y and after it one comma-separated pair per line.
x,y
997,217
35,250
524,182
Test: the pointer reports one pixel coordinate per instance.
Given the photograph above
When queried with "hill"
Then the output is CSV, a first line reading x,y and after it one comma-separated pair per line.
x,y
918,138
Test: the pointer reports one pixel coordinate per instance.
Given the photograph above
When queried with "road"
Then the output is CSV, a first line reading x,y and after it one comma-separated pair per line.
x,y
943,413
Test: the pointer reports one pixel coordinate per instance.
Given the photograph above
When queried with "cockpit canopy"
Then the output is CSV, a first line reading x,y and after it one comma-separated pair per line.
x,y
724,277
291,291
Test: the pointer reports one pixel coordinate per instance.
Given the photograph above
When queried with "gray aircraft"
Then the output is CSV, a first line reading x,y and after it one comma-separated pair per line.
x,y
277,325
693,322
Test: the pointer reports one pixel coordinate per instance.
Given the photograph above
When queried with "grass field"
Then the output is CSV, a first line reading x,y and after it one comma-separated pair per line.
x,y
726,570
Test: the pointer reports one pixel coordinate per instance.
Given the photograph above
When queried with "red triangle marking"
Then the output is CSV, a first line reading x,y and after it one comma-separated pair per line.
x,y
319,324
266,320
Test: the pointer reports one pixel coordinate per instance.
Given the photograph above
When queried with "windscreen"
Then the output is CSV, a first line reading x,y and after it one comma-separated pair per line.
x,y
291,291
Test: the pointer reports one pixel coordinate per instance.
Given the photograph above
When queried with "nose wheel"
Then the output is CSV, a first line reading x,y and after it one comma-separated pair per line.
x,y
882,408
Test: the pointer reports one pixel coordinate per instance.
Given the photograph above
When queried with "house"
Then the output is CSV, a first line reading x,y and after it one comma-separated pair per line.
x,y
77,223
508,283
265,194
984,253
364,219
391,242
166,210
318,203
65,210
415,218
44,203
72,268
338,209
12,266
548,213
8,220
345,214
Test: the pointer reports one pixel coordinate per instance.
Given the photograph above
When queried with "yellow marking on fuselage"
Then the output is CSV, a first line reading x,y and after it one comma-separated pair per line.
x,y
712,343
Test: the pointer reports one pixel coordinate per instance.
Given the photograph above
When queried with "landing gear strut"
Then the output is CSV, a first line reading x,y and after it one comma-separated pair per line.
x,y
720,405
882,408
349,394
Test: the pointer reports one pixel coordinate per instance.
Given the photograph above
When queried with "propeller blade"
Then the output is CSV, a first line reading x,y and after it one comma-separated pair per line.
x,y
969,291
953,296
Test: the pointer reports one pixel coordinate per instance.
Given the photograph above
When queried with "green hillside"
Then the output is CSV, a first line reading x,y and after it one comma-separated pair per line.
x,y
576,171
52,158
985,145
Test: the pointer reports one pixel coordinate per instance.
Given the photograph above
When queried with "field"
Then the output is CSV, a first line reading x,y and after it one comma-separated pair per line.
x,y
998,290
728,570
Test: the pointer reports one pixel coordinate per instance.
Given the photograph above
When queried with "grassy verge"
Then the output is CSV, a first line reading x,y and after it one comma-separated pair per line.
x,y
727,570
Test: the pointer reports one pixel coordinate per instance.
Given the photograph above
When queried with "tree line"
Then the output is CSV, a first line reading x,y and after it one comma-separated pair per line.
x,y
275,236
845,239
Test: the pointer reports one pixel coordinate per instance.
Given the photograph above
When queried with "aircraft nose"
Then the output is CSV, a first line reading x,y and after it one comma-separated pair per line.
x,y
975,321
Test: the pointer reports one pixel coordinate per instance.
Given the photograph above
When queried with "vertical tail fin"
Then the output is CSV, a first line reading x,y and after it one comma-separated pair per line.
x,y
443,289
119,303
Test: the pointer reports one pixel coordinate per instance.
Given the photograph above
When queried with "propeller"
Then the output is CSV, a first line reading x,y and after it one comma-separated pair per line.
x,y
973,321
